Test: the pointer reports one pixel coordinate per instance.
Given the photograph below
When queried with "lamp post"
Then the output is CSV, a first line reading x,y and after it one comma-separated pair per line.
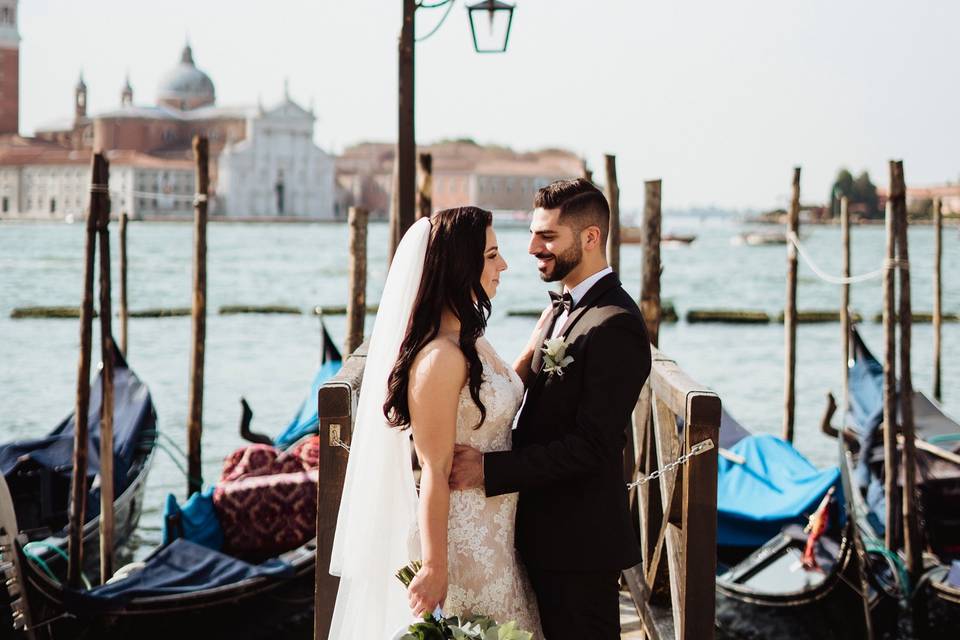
x,y
490,39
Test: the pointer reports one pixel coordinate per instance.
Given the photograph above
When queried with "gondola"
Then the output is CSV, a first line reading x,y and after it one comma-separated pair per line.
x,y
936,597
763,591
185,589
37,474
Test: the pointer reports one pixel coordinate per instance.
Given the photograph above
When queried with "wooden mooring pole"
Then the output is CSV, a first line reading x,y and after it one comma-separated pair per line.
x,y
937,294
357,309
650,282
106,380
406,155
911,526
790,312
199,313
425,186
124,310
890,387
613,199
845,307
78,483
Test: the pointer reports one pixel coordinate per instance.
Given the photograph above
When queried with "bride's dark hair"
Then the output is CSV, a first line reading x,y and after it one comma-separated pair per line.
x,y
451,280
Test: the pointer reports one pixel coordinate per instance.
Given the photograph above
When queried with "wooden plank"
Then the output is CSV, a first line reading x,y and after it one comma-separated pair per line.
x,y
640,595
699,541
790,313
670,383
336,405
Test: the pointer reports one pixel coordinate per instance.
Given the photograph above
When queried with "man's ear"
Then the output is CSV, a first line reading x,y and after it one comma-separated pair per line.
x,y
591,238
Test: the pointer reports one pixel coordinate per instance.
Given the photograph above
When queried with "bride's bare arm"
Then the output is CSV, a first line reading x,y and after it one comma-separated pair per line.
x,y
436,378
522,364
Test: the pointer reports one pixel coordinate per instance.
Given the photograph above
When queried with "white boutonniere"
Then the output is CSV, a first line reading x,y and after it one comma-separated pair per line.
x,y
555,358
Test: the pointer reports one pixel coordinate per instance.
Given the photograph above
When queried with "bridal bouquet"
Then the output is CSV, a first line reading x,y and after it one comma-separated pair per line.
x,y
437,627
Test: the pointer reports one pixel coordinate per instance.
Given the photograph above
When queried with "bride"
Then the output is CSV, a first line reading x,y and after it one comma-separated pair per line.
x,y
431,372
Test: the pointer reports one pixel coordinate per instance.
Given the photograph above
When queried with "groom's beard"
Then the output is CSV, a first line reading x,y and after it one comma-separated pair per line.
x,y
563,263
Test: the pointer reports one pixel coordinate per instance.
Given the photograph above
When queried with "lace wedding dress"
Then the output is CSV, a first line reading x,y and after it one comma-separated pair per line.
x,y
485,573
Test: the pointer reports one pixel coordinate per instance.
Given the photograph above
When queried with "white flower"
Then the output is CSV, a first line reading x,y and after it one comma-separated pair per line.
x,y
555,356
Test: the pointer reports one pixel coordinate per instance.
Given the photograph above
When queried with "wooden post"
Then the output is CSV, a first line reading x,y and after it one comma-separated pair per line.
x,y
889,388
393,223
845,307
613,199
587,173
78,484
425,187
406,157
335,403
650,282
357,310
790,311
195,419
937,294
106,379
124,311
911,527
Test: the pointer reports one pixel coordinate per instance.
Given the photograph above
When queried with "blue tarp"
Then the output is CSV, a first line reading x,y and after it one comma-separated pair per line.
x,y
180,568
306,420
196,520
776,486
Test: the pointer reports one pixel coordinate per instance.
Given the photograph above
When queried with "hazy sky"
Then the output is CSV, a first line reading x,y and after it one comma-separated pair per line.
x,y
720,99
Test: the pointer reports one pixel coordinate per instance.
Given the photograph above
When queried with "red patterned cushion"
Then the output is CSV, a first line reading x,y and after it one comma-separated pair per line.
x,y
308,452
267,514
259,460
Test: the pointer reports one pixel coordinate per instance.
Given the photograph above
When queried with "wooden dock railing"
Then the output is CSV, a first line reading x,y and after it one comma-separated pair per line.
x,y
673,422
676,435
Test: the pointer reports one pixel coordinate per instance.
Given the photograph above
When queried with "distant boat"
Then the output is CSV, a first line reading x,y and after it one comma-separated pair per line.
x,y
634,235
759,238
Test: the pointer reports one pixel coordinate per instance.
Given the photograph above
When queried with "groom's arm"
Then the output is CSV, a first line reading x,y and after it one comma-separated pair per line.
x,y
617,361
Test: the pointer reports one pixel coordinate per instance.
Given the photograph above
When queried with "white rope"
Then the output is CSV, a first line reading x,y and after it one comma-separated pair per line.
x,y
864,277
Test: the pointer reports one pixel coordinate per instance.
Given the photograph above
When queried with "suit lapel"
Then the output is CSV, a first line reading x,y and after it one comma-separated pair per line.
x,y
537,362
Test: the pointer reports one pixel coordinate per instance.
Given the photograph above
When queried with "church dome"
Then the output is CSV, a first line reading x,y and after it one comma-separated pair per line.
x,y
185,87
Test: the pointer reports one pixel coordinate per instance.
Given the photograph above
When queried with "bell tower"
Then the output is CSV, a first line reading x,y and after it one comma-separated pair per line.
x,y
80,99
9,68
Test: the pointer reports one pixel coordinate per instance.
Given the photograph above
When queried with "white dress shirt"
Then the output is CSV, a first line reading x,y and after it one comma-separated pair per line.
x,y
577,294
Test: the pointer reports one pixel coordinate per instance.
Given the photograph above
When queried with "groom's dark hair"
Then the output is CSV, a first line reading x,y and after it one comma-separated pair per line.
x,y
580,202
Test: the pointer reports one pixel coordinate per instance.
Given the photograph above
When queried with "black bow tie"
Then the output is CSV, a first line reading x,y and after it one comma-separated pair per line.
x,y
561,303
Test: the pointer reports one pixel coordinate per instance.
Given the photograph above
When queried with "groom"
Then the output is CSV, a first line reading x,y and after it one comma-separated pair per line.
x,y
574,531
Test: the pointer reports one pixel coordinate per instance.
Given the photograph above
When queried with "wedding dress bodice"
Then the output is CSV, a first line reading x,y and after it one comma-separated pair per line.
x,y
486,576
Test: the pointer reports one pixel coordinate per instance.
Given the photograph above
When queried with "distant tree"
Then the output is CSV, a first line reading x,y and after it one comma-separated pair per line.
x,y
859,190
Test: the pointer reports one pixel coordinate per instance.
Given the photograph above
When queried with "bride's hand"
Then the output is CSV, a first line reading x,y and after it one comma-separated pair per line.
x,y
545,317
427,591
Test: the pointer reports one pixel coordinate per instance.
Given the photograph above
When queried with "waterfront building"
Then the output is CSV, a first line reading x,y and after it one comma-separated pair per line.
x,y
464,172
271,165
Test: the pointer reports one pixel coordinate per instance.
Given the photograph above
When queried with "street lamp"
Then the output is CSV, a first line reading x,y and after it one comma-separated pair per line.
x,y
499,20
485,40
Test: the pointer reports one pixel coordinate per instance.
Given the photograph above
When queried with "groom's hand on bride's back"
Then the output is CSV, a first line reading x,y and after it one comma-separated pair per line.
x,y
467,471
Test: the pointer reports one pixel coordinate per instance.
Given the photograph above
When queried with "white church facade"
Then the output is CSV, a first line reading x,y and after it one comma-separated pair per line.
x,y
277,169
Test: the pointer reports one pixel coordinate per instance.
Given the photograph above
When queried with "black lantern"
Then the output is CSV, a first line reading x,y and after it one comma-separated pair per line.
x,y
494,36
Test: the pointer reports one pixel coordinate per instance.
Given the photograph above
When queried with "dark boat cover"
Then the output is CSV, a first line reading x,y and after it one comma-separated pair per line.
x,y
182,567
866,414
133,420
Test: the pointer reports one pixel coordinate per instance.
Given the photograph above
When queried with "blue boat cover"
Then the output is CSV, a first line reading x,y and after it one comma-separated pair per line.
x,y
196,520
776,486
133,420
306,421
953,577
180,568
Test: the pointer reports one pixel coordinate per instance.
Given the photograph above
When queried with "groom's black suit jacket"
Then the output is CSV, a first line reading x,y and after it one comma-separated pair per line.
x,y
567,456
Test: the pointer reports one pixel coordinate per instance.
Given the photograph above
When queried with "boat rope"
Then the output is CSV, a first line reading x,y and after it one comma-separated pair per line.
x,y
43,565
863,277
872,545
449,4
179,465
695,450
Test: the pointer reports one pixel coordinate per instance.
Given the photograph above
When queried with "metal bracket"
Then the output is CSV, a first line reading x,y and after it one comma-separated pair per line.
x,y
334,439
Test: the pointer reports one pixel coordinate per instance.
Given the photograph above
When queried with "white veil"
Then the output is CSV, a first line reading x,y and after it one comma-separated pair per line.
x,y
377,523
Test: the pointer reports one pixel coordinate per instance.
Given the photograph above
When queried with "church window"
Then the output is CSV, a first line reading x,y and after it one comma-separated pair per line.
x,y
5,204
53,205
